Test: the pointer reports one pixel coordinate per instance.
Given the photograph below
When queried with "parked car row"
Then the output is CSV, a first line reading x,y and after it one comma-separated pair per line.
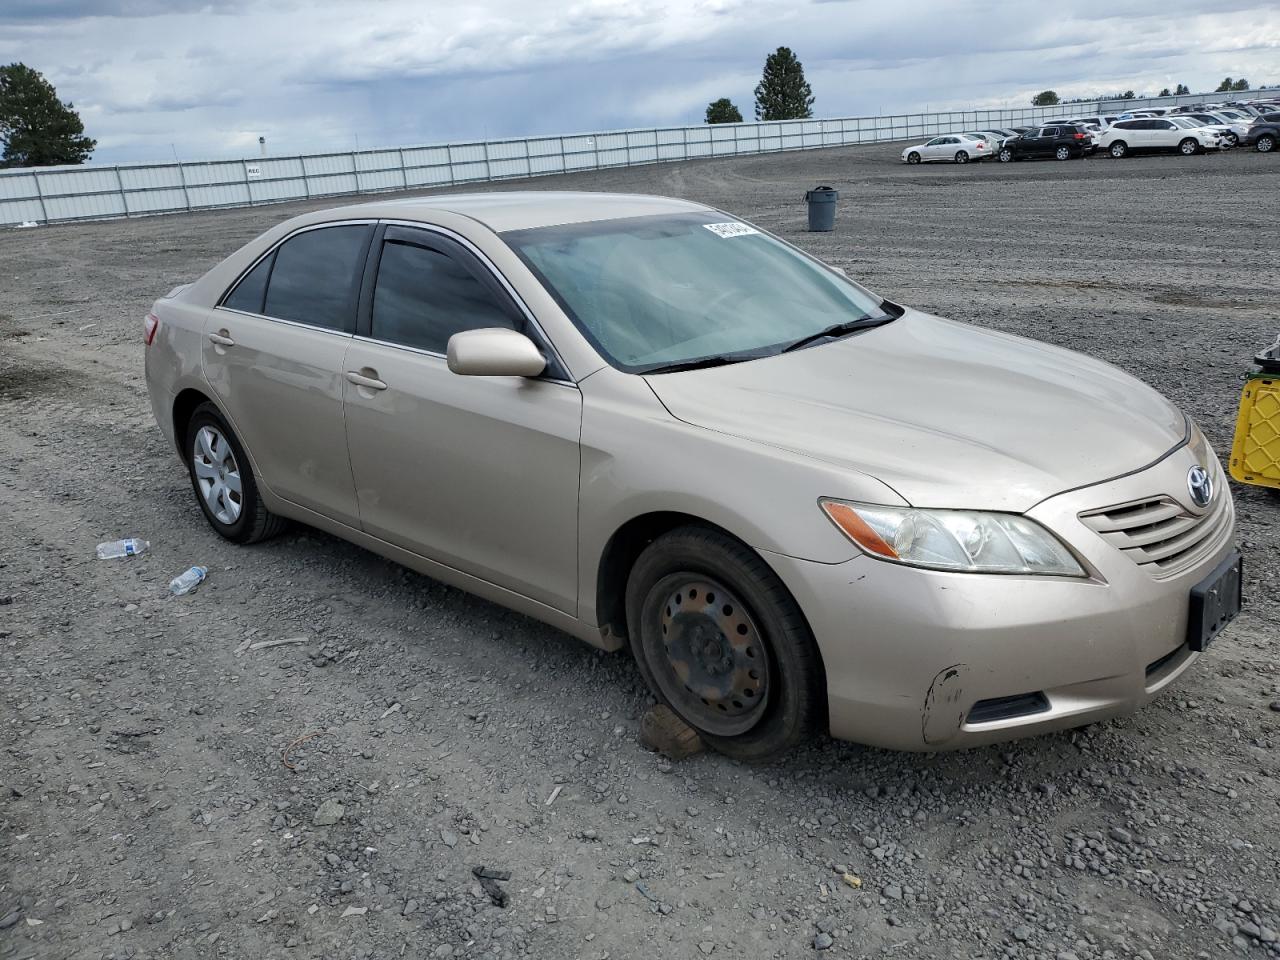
x,y
1188,130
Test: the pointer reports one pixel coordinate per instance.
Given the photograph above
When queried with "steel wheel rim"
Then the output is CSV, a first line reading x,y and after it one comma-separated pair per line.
x,y
713,665
217,475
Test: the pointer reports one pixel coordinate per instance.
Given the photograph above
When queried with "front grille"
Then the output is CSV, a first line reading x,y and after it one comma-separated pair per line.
x,y
1005,708
1160,534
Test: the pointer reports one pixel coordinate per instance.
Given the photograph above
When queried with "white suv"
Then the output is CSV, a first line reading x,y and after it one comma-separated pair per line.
x,y
1156,133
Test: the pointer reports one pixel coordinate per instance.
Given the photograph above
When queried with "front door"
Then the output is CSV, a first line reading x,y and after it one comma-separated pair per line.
x,y
273,352
477,473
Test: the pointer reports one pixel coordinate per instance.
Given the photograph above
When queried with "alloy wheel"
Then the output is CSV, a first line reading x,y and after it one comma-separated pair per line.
x,y
962,157
217,475
1006,155
1266,144
1063,153
1188,147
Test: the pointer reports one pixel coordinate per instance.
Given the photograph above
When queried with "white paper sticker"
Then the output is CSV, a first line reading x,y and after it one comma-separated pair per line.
x,y
726,230
252,171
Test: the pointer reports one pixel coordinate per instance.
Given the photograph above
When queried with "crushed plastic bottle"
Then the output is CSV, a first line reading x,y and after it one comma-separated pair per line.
x,y
188,581
122,548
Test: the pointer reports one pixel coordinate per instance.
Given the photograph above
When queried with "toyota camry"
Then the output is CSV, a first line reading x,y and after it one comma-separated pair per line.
x,y
800,505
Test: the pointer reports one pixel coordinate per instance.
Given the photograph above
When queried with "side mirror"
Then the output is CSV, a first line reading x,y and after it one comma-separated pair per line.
x,y
494,352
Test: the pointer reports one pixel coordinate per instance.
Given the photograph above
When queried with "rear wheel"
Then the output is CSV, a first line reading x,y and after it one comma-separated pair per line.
x,y
223,480
913,157
1119,149
720,640
1006,155
1189,146
1266,143
962,157
1062,153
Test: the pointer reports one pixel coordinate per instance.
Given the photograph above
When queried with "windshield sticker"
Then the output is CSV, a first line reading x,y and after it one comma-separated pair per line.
x,y
726,230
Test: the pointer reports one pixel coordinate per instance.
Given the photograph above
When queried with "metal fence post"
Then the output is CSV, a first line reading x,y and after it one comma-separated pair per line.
x,y
564,164
404,175
488,171
182,176
448,156
684,143
124,201
248,190
44,212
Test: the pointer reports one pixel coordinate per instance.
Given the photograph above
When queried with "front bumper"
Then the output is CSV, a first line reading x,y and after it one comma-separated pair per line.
x,y
910,653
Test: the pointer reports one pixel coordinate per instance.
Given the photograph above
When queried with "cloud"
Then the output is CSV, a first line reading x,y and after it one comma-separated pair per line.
x,y
210,77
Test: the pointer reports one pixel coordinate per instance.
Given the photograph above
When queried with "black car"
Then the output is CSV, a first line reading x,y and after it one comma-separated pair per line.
x,y
1060,141
1264,133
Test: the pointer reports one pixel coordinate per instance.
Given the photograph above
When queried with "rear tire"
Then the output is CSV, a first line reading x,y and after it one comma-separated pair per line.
x,y
1062,153
721,641
913,157
1266,143
1189,146
1119,149
244,518
962,157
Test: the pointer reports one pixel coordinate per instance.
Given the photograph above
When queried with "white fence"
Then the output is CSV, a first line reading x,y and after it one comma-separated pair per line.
x,y
53,194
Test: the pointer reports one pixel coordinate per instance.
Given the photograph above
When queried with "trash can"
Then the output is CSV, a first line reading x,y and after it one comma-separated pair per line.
x,y
822,208
1255,452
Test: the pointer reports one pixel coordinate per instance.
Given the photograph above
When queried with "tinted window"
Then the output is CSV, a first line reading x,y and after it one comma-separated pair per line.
x,y
248,294
1049,132
423,297
1163,125
316,277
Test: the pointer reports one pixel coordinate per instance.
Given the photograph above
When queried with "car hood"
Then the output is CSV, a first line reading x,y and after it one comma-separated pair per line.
x,y
947,414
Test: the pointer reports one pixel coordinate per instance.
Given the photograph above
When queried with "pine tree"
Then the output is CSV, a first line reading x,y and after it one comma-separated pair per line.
x,y
1045,98
723,111
38,129
782,93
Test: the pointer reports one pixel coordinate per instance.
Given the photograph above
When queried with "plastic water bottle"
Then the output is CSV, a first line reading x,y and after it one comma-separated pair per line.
x,y
188,581
122,548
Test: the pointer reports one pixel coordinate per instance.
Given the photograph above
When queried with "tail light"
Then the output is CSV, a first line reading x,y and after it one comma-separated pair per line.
x,y
149,328
1080,136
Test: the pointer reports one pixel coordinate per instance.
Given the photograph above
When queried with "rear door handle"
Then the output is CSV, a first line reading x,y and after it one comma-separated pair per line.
x,y
369,383
221,339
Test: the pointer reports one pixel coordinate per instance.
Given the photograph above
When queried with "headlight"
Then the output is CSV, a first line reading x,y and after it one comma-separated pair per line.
x,y
963,541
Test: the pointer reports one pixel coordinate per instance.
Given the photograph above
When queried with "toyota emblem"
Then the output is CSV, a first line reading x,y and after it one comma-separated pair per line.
x,y
1200,484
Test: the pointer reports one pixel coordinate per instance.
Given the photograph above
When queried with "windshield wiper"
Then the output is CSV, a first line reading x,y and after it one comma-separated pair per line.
x,y
698,363
837,330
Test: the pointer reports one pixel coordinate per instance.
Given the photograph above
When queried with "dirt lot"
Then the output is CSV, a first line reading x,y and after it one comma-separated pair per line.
x,y
145,806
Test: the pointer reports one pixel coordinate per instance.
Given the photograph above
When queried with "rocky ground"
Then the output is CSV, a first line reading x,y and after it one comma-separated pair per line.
x,y
169,787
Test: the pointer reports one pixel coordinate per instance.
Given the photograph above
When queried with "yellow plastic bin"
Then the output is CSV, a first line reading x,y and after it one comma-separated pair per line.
x,y
1255,453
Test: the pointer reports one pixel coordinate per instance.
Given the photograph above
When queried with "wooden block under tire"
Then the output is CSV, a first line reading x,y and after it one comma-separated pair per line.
x,y
663,731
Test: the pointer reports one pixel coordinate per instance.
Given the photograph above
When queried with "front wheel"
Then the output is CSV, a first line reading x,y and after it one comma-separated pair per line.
x,y
223,480
1233,140
962,157
913,157
1062,153
1006,155
719,639
1266,143
1189,146
1119,149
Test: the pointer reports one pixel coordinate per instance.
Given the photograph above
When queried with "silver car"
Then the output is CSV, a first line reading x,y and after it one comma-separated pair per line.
x,y
800,505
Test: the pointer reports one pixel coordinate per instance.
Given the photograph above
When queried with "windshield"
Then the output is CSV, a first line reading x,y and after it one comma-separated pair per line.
x,y
662,290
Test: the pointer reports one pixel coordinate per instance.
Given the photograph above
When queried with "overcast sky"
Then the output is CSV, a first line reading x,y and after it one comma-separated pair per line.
x,y
209,76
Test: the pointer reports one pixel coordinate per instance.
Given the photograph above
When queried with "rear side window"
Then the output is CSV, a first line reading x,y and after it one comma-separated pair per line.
x,y
252,288
316,277
424,296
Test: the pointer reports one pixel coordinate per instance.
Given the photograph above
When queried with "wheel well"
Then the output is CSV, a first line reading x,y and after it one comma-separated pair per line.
x,y
620,555
184,405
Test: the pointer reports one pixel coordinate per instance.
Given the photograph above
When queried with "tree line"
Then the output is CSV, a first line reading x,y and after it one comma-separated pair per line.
x,y
1049,98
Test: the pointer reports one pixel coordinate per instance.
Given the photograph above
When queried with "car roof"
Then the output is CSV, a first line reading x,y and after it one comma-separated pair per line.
x,y
502,210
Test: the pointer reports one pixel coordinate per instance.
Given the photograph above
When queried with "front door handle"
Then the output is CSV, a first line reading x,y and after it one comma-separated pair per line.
x,y
369,383
221,339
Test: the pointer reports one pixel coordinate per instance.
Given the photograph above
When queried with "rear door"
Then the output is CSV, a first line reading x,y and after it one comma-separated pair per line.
x,y
273,354
477,473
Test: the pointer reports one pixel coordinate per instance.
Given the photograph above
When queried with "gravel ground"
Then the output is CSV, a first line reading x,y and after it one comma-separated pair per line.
x,y
168,790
